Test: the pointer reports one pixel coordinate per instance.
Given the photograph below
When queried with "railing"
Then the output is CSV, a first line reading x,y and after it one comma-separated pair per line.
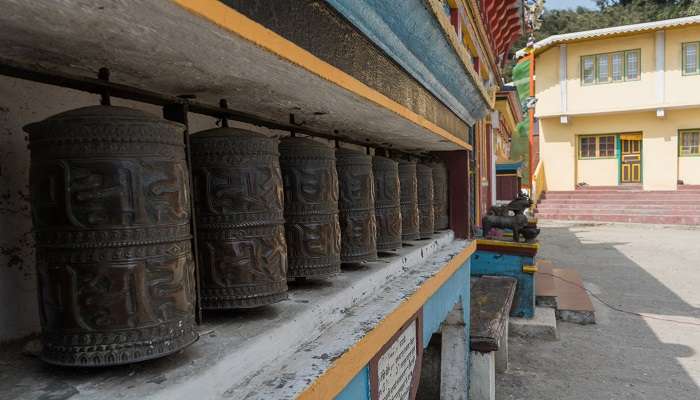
x,y
539,182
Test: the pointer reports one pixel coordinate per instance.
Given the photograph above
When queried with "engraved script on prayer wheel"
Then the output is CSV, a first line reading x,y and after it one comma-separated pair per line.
x,y
358,226
312,227
240,221
111,211
410,228
387,203
441,196
426,211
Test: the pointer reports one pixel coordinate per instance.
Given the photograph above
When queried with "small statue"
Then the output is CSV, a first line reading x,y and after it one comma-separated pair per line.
x,y
500,217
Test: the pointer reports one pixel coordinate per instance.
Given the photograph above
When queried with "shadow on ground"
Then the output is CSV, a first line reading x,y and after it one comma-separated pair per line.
x,y
643,269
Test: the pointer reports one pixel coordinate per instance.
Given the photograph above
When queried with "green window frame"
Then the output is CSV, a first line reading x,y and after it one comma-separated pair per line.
x,y
619,66
691,58
689,143
591,147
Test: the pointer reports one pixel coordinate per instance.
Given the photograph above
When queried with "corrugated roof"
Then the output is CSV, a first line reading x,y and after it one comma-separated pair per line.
x,y
615,30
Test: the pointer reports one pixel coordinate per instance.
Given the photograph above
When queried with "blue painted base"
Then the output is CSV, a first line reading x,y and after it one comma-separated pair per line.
x,y
435,312
490,263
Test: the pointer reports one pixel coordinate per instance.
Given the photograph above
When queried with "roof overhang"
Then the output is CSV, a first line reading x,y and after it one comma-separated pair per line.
x,y
614,31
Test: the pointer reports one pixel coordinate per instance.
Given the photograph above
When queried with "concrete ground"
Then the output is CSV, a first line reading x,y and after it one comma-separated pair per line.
x,y
652,270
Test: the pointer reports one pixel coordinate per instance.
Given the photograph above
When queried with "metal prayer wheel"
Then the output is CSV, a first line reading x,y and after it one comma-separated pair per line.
x,y
387,203
312,227
240,218
410,227
111,212
426,195
358,226
440,198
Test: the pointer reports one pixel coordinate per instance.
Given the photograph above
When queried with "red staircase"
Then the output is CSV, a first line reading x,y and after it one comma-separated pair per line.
x,y
623,204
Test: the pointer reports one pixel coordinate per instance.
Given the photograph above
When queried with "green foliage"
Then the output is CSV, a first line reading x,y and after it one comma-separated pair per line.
x,y
609,13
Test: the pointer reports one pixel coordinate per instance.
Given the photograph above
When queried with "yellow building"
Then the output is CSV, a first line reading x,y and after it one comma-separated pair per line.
x,y
620,106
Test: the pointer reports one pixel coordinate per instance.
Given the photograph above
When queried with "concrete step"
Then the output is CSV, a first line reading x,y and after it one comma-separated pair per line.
x,y
617,202
542,326
616,211
622,196
689,187
545,288
562,290
628,218
616,206
609,188
573,303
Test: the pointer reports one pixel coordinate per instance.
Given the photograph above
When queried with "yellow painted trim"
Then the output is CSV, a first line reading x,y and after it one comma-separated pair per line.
x,y
233,21
530,269
535,246
345,368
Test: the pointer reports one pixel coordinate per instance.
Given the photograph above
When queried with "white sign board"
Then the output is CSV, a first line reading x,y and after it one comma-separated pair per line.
x,y
396,366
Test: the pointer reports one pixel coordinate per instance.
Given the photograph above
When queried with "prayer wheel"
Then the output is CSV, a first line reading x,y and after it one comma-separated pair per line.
x,y
240,218
441,196
387,203
426,211
111,212
312,227
358,226
410,225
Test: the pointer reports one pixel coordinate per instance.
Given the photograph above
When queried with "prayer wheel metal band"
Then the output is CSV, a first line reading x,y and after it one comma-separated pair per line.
x,y
387,203
111,212
240,220
441,196
358,225
312,227
410,228
426,211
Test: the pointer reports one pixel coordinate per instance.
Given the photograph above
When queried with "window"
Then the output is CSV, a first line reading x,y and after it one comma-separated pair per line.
x,y
689,143
691,66
588,68
601,146
602,68
612,67
606,146
618,67
587,146
632,65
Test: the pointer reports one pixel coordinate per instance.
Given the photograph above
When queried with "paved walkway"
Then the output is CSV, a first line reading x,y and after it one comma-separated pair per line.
x,y
653,270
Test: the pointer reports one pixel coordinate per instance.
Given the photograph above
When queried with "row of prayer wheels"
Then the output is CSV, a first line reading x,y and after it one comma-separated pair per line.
x,y
111,213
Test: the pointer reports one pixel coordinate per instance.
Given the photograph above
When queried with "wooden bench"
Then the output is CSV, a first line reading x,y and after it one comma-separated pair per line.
x,y
491,301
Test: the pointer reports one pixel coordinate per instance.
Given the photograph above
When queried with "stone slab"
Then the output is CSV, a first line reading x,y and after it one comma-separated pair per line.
x,y
542,326
235,347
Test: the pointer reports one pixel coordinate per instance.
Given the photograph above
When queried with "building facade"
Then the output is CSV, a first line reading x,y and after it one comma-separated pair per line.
x,y
620,106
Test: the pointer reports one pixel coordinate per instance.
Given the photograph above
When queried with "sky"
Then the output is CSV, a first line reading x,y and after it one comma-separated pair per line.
x,y
562,4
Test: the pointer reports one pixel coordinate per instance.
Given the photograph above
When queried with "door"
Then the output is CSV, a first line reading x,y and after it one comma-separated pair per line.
x,y
631,158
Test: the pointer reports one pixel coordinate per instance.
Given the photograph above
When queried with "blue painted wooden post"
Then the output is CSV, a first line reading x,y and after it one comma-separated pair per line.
x,y
498,264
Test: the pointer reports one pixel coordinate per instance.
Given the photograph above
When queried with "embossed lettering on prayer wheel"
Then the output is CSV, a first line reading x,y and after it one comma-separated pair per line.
x,y
312,227
240,221
426,194
358,225
410,228
387,203
111,211
440,200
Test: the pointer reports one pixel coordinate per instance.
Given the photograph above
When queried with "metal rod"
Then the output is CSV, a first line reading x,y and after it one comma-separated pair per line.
x,y
99,86
224,120
103,75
